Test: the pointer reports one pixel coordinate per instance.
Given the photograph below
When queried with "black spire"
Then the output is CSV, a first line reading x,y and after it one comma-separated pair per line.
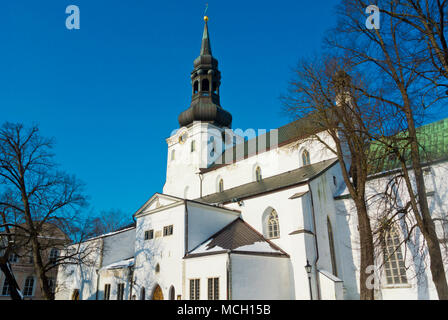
x,y
206,80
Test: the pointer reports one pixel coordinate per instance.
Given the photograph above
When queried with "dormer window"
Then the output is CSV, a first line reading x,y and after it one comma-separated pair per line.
x,y
305,158
258,176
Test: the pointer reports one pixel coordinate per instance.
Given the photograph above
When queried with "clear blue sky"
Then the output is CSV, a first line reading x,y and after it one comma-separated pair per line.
x,y
110,93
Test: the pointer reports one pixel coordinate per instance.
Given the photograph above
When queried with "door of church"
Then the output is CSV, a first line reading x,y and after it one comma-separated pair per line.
x,y
157,294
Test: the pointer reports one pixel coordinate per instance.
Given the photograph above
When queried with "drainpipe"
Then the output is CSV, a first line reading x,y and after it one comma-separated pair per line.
x,y
229,277
131,280
315,242
97,283
200,185
98,270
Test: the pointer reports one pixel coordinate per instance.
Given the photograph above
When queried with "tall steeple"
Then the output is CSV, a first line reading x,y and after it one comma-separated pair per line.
x,y
205,80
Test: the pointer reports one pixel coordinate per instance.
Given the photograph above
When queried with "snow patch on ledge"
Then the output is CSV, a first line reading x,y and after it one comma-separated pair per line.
x,y
119,264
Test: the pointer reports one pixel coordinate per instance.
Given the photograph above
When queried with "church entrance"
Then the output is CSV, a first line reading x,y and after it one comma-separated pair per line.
x,y
157,293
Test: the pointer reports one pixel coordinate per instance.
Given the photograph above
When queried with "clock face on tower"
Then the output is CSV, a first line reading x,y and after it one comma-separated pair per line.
x,y
183,138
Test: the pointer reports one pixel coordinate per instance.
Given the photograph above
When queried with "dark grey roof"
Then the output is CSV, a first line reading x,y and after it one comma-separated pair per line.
x,y
293,131
237,237
283,180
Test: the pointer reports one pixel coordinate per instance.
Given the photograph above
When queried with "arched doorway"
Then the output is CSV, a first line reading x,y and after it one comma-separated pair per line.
x,y
172,293
75,294
157,293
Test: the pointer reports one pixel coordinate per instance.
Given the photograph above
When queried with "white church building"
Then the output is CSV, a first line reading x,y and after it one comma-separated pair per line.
x,y
268,218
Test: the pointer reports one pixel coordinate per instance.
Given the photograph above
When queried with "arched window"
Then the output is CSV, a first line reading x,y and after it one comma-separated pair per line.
x,y
205,85
142,293
172,293
393,258
157,268
173,155
195,87
272,226
221,185
258,176
305,157
332,251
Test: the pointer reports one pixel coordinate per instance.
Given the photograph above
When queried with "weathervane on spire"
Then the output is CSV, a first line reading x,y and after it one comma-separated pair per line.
x,y
205,13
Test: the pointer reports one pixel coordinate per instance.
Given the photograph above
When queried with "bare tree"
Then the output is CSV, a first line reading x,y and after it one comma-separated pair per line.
x,y
399,70
324,93
39,194
107,221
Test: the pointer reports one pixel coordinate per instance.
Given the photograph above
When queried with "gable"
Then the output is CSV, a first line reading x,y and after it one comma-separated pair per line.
x,y
158,202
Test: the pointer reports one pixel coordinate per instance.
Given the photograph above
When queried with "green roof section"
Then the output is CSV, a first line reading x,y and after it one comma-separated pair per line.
x,y
433,141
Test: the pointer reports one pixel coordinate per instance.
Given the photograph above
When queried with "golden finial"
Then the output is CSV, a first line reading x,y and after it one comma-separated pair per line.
x,y
205,13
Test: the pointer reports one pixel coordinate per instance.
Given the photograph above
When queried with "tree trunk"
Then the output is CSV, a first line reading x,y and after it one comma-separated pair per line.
x,y
428,227
13,286
366,248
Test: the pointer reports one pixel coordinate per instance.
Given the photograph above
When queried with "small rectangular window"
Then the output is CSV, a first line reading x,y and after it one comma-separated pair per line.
x,y
120,291
194,289
213,288
13,258
149,234
168,230
28,287
107,292
193,146
52,284
6,289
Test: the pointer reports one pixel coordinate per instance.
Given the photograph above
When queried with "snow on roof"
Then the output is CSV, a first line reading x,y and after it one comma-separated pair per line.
x,y
119,264
236,237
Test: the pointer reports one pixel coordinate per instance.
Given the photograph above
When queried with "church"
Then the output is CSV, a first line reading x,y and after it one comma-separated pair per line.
x,y
267,217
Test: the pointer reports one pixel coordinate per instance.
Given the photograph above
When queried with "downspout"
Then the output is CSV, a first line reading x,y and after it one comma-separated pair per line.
x,y
98,270
131,280
229,277
200,185
315,242
185,248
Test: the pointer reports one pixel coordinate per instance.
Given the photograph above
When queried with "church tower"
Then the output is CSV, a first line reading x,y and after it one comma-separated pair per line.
x,y
204,127
206,80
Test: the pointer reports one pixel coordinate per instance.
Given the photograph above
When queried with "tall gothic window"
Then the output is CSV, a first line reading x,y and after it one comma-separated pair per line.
x,y
332,250
258,176
272,225
305,157
221,185
393,258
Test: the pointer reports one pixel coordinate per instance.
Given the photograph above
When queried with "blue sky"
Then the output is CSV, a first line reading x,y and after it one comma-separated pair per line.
x,y
110,93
